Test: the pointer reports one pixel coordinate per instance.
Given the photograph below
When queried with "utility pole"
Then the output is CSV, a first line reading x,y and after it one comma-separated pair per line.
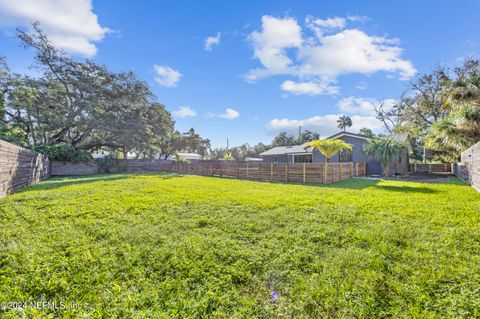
x,y
299,130
227,144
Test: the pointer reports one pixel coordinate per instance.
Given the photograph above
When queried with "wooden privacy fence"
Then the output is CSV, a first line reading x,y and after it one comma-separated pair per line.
x,y
431,168
280,172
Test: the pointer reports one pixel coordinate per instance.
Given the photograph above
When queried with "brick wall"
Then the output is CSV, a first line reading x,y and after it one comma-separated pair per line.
x,y
469,167
20,167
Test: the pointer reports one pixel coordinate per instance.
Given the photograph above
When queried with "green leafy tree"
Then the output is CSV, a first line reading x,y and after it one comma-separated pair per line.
x,y
179,159
461,128
344,122
80,104
384,150
307,136
329,147
366,132
194,143
283,139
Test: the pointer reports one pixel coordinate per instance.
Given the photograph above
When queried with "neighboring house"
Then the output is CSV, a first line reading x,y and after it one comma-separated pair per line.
x,y
288,154
187,156
103,153
303,154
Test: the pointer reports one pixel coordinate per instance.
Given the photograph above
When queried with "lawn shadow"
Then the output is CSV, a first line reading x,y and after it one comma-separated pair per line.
x,y
407,189
364,183
63,181
353,183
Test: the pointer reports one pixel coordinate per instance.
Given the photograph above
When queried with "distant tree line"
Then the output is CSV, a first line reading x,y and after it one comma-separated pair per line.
x,y
245,151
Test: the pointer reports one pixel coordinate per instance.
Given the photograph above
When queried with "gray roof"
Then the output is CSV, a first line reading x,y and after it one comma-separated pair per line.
x,y
282,150
339,134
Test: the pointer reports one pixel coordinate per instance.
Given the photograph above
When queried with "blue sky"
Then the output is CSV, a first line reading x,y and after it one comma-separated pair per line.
x,y
246,70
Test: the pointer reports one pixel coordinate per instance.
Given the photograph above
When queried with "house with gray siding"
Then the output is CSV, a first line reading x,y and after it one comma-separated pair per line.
x,y
303,154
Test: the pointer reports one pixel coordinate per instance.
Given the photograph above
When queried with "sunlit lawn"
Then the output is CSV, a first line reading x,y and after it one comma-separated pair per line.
x,y
172,246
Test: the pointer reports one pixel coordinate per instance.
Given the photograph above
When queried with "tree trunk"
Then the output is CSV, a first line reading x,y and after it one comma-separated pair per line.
x,y
385,171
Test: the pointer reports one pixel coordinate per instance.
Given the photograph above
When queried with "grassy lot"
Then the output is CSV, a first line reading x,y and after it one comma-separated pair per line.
x,y
165,246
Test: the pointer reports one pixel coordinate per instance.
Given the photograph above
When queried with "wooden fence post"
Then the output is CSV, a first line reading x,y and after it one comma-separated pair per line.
x,y
228,169
304,177
286,172
247,170
351,169
341,171
211,169
271,172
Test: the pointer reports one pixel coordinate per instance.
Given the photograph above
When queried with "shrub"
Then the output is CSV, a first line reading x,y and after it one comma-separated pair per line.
x,y
14,135
106,164
64,152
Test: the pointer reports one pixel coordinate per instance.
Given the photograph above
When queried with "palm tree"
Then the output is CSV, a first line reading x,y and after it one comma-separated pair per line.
x,y
228,156
384,150
344,122
329,147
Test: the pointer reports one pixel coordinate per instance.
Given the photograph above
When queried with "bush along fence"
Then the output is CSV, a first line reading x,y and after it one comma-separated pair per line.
x,y
20,167
279,172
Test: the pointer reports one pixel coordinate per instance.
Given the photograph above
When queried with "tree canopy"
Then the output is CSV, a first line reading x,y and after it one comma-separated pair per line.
x,y
83,105
440,110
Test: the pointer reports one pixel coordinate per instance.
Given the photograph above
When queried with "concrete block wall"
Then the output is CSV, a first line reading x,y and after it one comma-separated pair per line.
x,y
60,168
469,167
20,167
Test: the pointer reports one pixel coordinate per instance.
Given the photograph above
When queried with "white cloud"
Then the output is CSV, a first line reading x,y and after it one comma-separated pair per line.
x,y
70,24
309,88
184,111
211,41
357,18
229,114
167,76
283,50
325,125
361,85
271,43
352,51
360,110
321,26
363,106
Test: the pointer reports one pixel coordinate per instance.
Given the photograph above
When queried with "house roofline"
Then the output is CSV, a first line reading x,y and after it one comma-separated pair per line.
x,y
341,134
289,153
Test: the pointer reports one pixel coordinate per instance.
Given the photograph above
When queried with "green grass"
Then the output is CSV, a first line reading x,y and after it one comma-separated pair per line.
x,y
166,246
